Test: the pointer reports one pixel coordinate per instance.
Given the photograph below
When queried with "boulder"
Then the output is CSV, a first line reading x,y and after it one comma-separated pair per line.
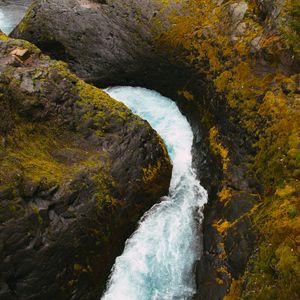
x,y
72,185
105,42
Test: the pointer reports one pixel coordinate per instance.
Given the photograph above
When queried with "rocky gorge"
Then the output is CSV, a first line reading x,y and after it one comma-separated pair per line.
x,y
226,79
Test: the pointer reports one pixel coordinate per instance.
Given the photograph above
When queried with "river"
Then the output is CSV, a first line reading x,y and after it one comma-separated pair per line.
x,y
159,258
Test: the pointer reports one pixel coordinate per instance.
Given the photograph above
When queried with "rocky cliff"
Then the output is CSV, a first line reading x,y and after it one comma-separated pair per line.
x,y
73,178
233,68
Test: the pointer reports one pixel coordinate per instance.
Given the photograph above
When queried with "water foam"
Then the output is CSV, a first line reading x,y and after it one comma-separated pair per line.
x,y
158,259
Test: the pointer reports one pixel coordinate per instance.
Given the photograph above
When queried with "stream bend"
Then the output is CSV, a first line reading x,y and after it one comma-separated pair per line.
x,y
158,259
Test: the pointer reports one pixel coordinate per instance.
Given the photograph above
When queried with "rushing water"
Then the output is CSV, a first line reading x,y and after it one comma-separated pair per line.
x,y
159,258
11,13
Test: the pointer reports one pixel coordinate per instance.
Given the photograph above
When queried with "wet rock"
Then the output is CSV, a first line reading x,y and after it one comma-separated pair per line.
x,y
239,204
239,243
206,277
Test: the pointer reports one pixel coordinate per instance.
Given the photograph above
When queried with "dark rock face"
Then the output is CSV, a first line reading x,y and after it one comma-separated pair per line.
x,y
72,186
109,43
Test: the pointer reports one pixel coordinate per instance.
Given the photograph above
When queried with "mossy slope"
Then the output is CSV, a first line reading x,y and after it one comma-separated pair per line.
x,y
68,198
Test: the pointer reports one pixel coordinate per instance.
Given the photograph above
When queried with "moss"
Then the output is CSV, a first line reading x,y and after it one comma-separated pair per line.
x,y
151,172
30,151
3,36
24,24
186,94
235,291
222,226
37,213
78,268
291,28
225,194
218,148
264,102
164,148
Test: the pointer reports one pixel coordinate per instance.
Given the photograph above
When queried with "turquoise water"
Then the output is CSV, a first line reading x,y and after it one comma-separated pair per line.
x,y
11,13
158,259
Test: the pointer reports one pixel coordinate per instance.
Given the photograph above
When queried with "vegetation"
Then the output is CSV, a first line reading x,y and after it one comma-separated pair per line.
x,y
232,49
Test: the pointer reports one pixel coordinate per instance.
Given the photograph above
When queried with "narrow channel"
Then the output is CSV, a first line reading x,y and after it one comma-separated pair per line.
x,y
159,258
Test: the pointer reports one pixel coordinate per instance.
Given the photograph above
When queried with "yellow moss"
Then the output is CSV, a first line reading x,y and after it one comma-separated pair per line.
x,y
221,226
267,106
163,146
3,36
225,194
78,268
223,270
218,148
151,172
285,192
186,94
222,81
222,255
235,291
29,151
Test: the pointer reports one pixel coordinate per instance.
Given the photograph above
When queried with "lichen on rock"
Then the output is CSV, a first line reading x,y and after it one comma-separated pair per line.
x,y
68,198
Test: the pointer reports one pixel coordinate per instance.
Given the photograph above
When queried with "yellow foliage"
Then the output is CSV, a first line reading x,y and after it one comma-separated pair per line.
x,y
218,148
234,292
186,94
222,81
225,194
286,191
222,226
3,36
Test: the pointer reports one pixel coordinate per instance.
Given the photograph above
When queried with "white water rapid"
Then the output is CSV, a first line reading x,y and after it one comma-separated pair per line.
x,y
159,258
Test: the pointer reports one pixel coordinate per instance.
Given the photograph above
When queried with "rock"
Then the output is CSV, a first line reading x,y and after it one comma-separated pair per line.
x,y
81,200
28,188
239,245
238,11
270,9
123,48
118,52
21,54
6,193
206,277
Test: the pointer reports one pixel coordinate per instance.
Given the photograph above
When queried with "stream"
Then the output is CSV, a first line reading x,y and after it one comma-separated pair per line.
x,y
159,258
